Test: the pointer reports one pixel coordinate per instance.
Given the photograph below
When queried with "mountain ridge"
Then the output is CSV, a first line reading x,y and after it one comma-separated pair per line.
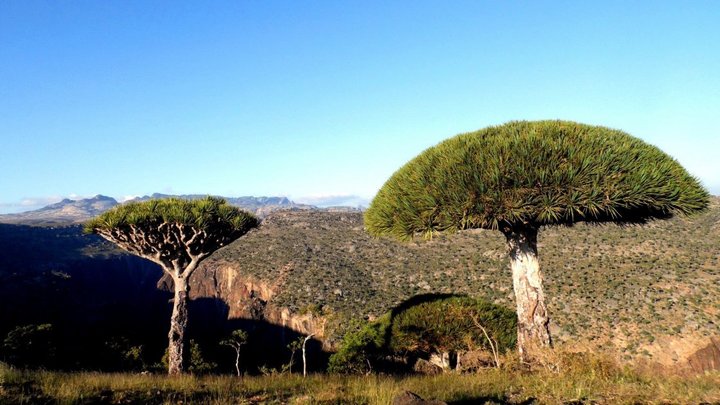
x,y
68,211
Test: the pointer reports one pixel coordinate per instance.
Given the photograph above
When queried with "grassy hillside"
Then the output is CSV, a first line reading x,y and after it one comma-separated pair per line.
x,y
650,292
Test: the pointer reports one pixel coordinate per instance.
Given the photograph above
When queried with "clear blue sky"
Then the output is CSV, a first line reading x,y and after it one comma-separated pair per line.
x,y
317,99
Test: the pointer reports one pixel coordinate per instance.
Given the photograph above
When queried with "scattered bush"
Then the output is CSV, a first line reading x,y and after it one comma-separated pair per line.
x,y
360,348
121,354
29,346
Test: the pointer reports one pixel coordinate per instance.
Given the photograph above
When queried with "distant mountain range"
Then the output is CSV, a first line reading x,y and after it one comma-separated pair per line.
x,y
75,211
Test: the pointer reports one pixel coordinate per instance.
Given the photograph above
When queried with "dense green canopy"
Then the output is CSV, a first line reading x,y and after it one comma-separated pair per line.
x,y
200,214
447,324
422,325
173,226
533,173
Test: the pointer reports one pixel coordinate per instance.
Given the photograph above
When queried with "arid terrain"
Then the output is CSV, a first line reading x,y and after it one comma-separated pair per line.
x,y
647,292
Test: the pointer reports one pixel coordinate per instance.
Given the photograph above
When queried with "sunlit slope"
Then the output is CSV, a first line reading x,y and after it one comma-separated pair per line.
x,y
630,289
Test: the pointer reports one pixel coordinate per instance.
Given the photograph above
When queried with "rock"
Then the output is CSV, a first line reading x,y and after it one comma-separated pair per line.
x,y
707,358
423,366
474,360
441,360
411,398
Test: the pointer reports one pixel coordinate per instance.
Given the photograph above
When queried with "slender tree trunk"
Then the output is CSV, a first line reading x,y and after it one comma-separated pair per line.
x,y
303,353
237,361
178,325
532,313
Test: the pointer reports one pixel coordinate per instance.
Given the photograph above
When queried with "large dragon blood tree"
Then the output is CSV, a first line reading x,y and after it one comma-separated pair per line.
x,y
176,234
523,175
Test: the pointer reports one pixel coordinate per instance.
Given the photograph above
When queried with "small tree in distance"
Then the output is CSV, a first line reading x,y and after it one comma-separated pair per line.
x,y
521,176
237,339
176,234
294,346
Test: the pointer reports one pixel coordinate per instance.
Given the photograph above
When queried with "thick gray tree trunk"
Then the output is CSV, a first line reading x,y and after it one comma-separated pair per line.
x,y
532,313
178,325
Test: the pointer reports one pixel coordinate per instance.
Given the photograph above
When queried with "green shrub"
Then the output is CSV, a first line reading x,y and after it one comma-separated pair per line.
x,y
448,324
29,346
121,354
421,325
361,347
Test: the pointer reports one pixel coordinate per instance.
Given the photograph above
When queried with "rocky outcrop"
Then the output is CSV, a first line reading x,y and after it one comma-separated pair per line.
x,y
707,358
684,354
251,299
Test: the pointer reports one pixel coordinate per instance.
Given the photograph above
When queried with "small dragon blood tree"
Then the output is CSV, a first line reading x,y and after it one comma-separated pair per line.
x,y
176,234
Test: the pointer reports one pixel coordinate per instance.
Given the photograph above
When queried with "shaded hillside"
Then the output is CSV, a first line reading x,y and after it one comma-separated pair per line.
x,y
108,310
91,293
640,291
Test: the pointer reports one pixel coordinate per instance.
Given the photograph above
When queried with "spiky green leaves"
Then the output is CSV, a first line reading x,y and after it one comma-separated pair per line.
x,y
446,324
174,233
203,214
536,173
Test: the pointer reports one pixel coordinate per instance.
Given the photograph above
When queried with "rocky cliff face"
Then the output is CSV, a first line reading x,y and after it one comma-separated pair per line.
x,y
707,358
247,298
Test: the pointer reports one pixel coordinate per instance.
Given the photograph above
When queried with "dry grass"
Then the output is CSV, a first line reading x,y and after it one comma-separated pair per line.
x,y
563,378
